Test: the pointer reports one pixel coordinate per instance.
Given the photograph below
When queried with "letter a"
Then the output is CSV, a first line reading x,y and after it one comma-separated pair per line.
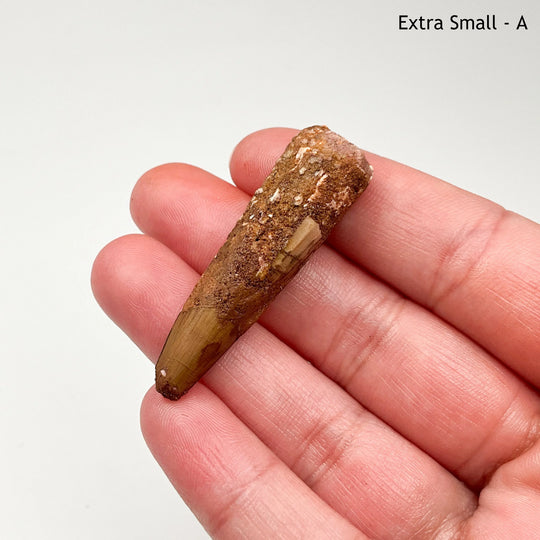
x,y
521,23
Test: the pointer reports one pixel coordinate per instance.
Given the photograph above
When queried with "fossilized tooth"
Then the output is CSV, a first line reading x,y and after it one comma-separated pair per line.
x,y
317,178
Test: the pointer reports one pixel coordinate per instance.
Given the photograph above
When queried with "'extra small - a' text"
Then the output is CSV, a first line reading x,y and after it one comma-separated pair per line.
x,y
456,22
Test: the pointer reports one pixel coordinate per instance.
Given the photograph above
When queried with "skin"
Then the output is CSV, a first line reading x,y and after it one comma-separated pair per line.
x,y
417,415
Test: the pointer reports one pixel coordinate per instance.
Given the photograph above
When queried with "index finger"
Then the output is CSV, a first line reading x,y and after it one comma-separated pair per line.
x,y
469,260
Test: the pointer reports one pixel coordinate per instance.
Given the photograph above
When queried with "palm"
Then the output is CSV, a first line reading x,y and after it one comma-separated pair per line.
x,y
417,413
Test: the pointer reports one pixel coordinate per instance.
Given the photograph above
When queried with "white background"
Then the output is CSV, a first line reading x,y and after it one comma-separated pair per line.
x,y
92,94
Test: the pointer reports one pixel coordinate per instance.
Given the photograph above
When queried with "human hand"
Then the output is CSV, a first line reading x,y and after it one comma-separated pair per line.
x,y
416,413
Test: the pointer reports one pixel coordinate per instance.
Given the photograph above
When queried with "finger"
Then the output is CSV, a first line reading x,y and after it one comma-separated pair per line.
x,y
467,259
516,486
348,457
115,281
235,486
415,372
182,213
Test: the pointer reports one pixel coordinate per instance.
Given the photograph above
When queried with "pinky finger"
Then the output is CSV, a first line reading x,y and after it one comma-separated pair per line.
x,y
233,483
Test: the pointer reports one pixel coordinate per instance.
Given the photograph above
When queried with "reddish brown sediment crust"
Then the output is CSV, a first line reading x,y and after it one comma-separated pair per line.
x,y
317,178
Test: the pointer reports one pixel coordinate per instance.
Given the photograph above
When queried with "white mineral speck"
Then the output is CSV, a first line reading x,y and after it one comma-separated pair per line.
x,y
252,216
301,151
302,170
275,196
163,373
259,191
322,179
298,200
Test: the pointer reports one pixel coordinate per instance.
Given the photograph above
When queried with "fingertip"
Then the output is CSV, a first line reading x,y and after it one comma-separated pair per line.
x,y
139,284
255,155
158,417
114,276
153,184
153,416
178,433
161,418
105,267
